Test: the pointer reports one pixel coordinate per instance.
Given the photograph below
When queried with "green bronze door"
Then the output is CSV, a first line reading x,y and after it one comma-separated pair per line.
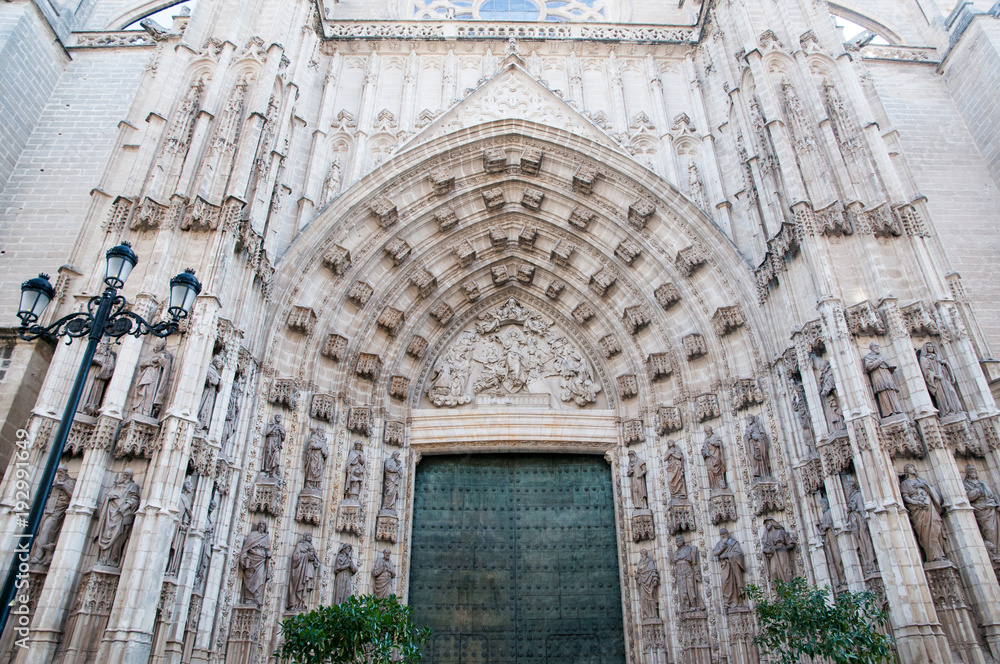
x,y
515,560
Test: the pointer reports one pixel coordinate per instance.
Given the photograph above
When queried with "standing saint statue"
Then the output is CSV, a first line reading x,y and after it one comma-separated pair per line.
x,y
154,381
730,557
924,506
940,381
715,459
274,440
857,523
211,391
302,578
355,472
883,384
801,409
316,452
102,368
828,390
383,573
183,526
758,445
55,514
777,546
343,571
675,471
648,579
831,550
117,514
986,507
392,470
255,565
232,415
205,559
637,481
687,569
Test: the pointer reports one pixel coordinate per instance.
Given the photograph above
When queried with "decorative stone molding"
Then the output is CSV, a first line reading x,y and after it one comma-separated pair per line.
x,y
581,217
562,252
119,39
323,407
79,434
531,160
309,507
628,251
640,212
642,526
694,346
810,338
494,160
635,318
836,452
628,386
958,436
416,347
498,237
555,289
442,313
633,432
399,387
668,420
338,260
706,407
864,319
767,497
442,180
833,221
582,313
690,260
746,392
584,178
881,222
446,218
368,366
471,290
349,518
301,319
398,250
97,591
148,216
390,320
500,274
359,421
138,437
609,345
201,216
811,474
602,280
912,220
532,198
784,244
384,210
659,366
283,392
267,496
202,457
666,295
386,527
899,437
394,433
680,517
525,273
335,347
920,320
721,506
494,198
359,293
424,281
464,253
726,320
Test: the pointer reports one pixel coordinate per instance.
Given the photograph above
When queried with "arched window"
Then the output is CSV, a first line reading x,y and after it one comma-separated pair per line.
x,y
511,10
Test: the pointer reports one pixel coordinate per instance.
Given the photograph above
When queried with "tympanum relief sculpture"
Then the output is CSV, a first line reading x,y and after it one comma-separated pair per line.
x,y
512,356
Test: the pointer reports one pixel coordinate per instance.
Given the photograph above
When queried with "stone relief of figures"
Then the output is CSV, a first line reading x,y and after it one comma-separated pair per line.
x,y
778,546
758,445
355,472
212,381
255,567
883,384
302,578
986,506
687,569
940,381
648,579
675,471
153,382
316,452
831,550
857,524
117,515
637,481
392,469
343,574
102,367
924,505
730,557
55,514
511,350
183,526
274,440
831,402
714,453
384,575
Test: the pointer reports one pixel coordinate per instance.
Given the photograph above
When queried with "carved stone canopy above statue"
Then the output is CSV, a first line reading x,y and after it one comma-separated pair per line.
x,y
511,355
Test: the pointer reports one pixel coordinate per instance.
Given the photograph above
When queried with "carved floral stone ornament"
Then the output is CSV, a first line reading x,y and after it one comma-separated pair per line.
x,y
512,355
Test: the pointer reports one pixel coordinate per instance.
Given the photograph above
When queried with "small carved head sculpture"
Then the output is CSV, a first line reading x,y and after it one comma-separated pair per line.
x,y
873,347
385,554
708,430
971,473
679,540
187,487
395,455
307,536
930,349
277,418
909,470
724,533
125,477
62,471
261,527
824,504
358,445
319,429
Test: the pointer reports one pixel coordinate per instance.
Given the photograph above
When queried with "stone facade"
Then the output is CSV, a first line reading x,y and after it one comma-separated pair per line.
x,y
718,233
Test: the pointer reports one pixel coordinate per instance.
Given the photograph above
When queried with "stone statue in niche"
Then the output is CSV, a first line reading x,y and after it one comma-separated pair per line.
x,y
302,578
201,575
55,514
883,384
778,545
831,402
355,472
940,381
758,445
924,505
316,451
675,471
232,415
648,579
343,572
448,380
687,569
637,481
834,563
714,453
857,523
730,557
211,391
986,506
274,440
392,470
384,574
183,526
255,567
117,515
154,381
102,368
801,409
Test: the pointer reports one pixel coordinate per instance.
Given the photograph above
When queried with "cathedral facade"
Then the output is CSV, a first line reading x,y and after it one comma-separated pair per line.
x,y
561,321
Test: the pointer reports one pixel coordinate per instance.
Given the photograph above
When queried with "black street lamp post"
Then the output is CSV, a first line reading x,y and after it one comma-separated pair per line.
x,y
106,315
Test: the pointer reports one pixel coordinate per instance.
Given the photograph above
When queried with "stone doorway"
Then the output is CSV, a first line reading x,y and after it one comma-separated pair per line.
x,y
515,560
